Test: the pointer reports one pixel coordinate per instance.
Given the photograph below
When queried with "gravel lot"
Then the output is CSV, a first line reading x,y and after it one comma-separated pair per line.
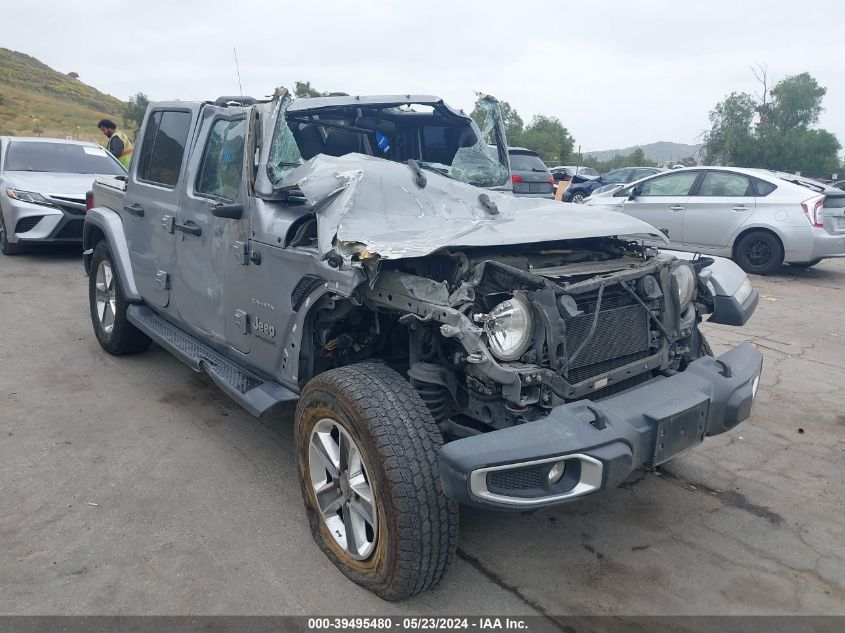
x,y
133,486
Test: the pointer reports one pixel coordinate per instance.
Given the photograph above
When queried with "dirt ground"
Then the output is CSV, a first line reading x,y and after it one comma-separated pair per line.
x,y
133,486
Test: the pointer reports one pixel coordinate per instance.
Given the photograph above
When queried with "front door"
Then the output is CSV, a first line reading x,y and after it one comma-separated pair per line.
x,y
662,202
207,247
721,203
152,199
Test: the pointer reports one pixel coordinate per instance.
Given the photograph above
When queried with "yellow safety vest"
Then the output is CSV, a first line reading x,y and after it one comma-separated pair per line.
x,y
126,157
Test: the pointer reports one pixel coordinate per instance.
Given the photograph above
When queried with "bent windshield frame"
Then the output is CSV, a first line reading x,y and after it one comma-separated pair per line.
x,y
437,138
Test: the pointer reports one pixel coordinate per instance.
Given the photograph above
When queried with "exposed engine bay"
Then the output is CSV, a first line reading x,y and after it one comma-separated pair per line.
x,y
497,336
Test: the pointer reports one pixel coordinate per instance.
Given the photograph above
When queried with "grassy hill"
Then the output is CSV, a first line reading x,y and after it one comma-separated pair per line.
x,y
35,98
660,152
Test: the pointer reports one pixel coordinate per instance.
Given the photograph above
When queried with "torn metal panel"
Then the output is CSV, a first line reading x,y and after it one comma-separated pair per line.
x,y
377,205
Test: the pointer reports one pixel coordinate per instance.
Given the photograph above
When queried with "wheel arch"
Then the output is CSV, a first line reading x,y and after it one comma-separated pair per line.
x,y
745,230
104,224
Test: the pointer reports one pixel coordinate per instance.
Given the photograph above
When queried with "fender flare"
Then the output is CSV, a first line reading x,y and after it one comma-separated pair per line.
x,y
102,223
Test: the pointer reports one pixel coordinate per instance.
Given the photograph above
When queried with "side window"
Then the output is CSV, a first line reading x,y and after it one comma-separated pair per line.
x,y
722,183
221,170
764,188
163,147
617,175
677,184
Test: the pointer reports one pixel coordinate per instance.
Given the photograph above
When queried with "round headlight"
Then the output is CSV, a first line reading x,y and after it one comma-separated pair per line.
x,y
685,276
508,328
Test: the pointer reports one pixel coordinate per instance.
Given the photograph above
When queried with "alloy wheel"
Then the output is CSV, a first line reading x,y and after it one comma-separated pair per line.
x,y
342,488
759,253
106,297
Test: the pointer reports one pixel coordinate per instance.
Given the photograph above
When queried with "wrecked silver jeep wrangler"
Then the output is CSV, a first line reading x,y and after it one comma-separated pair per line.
x,y
445,342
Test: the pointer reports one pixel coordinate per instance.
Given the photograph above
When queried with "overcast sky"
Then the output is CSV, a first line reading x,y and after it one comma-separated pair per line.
x,y
615,73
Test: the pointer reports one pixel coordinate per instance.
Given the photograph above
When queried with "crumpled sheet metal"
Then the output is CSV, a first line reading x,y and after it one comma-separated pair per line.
x,y
372,204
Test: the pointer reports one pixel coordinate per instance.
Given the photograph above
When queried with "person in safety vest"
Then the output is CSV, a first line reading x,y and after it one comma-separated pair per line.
x,y
118,143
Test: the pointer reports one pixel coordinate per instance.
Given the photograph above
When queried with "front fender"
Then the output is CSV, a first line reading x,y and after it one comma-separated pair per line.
x,y
734,300
104,223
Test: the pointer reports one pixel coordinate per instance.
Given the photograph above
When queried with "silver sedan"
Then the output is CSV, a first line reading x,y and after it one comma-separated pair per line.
x,y
759,218
43,182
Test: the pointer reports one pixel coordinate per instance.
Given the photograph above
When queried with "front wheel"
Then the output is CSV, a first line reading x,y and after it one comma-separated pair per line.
x,y
367,450
578,197
759,253
7,247
108,307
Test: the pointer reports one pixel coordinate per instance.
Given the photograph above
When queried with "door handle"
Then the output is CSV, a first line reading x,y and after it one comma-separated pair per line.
x,y
191,228
134,209
739,207
676,207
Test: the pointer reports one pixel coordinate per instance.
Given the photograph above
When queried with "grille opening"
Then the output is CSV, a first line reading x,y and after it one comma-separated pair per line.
x,y
26,224
72,230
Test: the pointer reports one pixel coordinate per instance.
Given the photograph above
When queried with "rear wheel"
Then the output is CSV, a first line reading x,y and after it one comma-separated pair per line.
x,y
108,307
7,247
759,253
367,449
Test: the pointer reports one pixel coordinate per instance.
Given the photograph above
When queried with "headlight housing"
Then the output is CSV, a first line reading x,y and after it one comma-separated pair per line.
x,y
685,277
509,327
29,196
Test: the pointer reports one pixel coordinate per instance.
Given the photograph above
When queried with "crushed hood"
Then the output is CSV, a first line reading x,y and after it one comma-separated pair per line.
x,y
372,204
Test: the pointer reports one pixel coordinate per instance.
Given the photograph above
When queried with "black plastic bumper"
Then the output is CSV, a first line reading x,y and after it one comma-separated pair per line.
x,y
600,443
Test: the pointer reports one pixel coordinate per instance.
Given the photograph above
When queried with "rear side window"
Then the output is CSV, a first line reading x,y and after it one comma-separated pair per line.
x,y
721,183
163,147
677,184
223,161
526,162
763,187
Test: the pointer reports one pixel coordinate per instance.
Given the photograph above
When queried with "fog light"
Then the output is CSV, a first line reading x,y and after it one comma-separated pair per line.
x,y
556,472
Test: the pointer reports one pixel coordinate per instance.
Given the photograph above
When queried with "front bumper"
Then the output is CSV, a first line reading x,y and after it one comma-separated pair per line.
x,y
601,442
31,223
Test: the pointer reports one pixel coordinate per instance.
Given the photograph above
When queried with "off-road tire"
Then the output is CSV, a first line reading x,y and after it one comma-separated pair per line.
x,y
759,253
399,442
124,337
7,247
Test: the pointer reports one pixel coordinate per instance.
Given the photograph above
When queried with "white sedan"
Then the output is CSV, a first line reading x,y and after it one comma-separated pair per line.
x,y
761,219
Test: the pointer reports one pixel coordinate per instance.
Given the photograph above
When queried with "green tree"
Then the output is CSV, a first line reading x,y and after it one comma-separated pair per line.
x,y
730,140
133,112
547,136
774,129
510,118
304,89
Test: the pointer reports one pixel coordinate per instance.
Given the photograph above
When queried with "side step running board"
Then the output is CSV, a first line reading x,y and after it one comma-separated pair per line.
x,y
253,394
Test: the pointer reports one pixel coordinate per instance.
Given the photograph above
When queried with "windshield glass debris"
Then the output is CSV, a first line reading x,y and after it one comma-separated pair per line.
x,y
284,152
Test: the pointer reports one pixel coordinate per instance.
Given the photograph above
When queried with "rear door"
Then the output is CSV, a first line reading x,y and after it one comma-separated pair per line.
x,y
152,199
662,201
719,205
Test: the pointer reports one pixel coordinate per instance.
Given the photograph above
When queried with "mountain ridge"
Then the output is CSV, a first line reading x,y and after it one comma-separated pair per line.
x,y
36,99
659,152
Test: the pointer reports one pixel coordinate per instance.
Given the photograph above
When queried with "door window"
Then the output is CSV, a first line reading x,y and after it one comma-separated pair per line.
x,y
163,147
669,185
221,170
617,175
722,183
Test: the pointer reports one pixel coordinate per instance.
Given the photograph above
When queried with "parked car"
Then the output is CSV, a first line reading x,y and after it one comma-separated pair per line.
x,y
759,218
840,184
581,188
566,172
529,174
42,189
445,342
